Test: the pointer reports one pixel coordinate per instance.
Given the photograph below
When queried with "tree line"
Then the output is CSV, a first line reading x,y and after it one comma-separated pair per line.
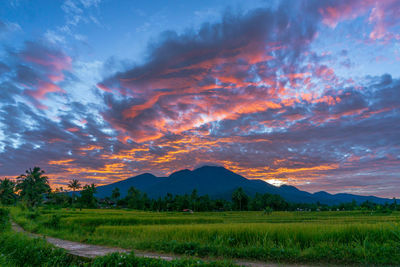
x,y
32,189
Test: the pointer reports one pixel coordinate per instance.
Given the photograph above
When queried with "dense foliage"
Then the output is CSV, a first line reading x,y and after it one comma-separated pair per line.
x,y
4,219
87,198
7,192
240,201
32,185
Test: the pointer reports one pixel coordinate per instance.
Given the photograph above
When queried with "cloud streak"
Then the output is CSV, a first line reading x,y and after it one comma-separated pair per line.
x,y
250,92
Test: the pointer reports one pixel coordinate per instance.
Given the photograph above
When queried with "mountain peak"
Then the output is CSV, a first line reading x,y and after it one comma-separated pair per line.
x,y
322,193
208,168
179,173
146,174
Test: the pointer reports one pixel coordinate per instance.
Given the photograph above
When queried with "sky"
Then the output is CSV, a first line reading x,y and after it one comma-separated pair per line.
x,y
305,93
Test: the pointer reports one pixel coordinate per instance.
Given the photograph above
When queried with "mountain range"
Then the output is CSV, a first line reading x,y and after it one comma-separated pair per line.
x,y
219,182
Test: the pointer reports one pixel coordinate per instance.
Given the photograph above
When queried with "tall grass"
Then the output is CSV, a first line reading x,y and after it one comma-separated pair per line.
x,y
265,235
20,250
17,249
97,221
335,237
297,242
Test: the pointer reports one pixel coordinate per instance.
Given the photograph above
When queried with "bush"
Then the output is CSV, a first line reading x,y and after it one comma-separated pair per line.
x,y
21,250
268,210
4,219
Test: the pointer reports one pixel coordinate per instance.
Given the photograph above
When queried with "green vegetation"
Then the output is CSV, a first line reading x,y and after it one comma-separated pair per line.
x,y
74,185
87,196
342,237
18,249
115,194
4,219
7,194
118,259
31,186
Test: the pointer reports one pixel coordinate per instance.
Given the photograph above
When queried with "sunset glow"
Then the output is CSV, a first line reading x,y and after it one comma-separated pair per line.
x,y
305,93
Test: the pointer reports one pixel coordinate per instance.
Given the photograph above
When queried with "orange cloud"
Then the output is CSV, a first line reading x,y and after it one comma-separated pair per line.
x,y
90,148
60,162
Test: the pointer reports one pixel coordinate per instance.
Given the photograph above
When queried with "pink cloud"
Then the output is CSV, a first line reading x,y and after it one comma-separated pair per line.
x,y
344,10
50,65
43,89
55,63
382,15
51,61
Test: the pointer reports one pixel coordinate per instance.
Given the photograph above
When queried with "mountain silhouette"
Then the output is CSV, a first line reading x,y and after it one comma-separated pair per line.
x,y
219,182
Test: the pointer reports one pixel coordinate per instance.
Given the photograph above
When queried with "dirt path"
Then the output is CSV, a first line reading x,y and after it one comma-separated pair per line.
x,y
92,251
74,248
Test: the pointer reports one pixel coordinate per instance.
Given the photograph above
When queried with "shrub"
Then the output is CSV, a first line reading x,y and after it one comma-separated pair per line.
x,y
4,219
21,250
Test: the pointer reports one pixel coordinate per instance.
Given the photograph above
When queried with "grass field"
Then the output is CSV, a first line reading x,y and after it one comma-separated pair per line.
x,y
339,237
20,250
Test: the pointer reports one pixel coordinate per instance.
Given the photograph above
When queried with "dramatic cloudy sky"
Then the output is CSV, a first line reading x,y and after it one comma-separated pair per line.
x,y
305,93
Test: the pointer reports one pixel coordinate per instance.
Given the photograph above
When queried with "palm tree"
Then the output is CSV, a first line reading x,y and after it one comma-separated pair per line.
x,y
115,194
74,185
240,198
32,185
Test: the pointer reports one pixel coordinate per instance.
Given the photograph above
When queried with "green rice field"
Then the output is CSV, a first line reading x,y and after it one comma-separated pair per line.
x,y
334,237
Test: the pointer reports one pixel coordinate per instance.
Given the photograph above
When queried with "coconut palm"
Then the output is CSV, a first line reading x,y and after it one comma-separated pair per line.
x,y
74,185
32,185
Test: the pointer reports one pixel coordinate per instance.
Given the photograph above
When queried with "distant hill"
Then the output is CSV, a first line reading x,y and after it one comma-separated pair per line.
x,y
219,182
